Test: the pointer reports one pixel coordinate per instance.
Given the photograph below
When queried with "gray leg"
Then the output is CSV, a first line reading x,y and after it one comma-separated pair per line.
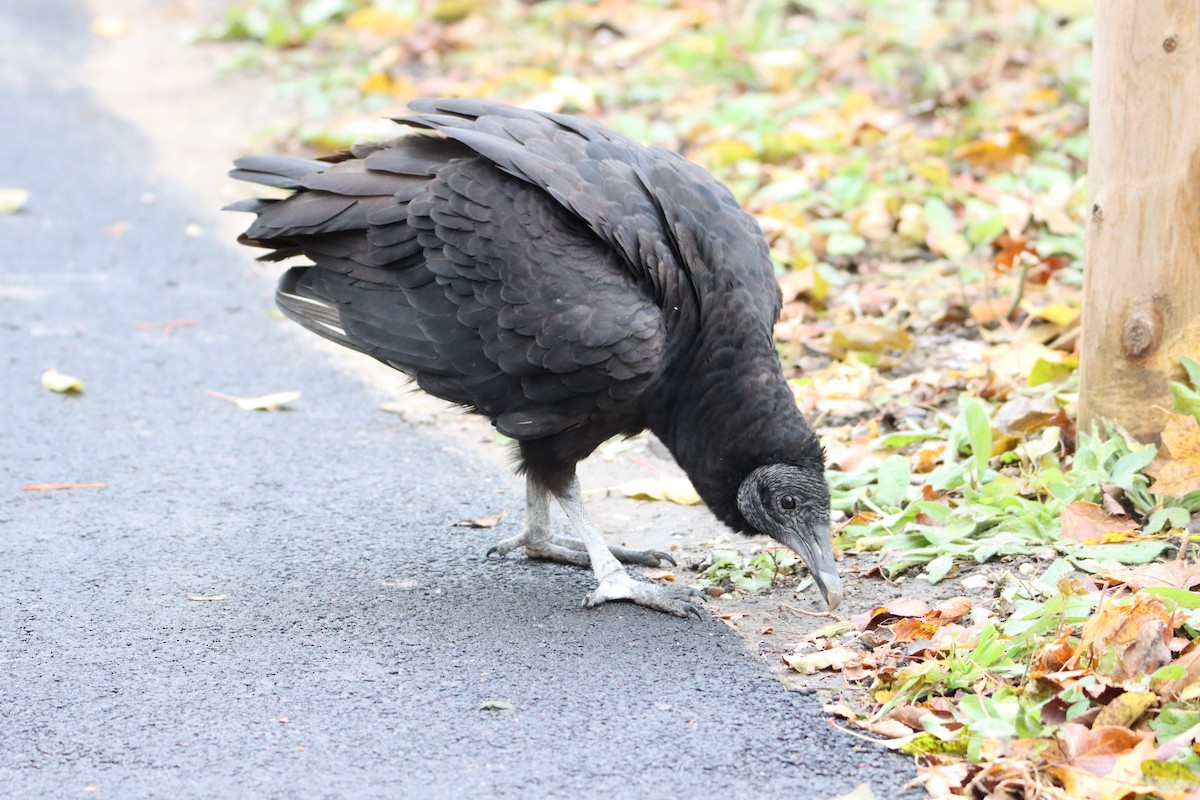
x,y
615,582
540,542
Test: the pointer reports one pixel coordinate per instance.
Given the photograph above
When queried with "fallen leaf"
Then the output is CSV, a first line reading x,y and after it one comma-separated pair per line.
x,y
117,229
12,200
1058,313
480,522
871,336
207,598
860,792
51,487
673,488
1174,573
1126,709
1128,639
109,27
1179,473
1087,522
56,381
834,658
267,402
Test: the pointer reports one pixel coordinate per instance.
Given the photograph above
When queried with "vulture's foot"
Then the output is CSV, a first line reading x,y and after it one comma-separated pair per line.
x,y
565,550
681,602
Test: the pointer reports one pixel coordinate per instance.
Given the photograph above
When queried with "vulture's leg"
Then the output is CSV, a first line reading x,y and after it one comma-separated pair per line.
x,y
540,542
615,582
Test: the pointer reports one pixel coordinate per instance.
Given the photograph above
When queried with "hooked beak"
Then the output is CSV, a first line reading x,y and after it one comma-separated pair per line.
x,y
813,545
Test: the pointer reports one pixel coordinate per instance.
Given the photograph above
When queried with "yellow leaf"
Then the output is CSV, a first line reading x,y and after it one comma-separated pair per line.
x,y
1042,96
267,402
12,200
1180,472
871,336
933,170
672,488
996,154
56,381
379,21
855,102
784,146
206,598
1058,313
1125,709
724,152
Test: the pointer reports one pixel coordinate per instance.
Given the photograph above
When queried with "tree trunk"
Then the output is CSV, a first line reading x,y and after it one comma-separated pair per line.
x,y
1141,307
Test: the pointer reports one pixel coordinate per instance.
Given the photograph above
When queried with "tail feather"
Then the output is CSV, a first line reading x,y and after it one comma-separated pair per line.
x,y
301,302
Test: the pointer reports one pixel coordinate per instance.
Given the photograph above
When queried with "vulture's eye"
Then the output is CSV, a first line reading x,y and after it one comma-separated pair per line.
x,y
787,502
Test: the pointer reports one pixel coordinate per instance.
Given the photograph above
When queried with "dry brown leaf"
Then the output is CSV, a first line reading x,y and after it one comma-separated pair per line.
x,y
949,610
1087,522
1179,473
908,629
480,522
996,154
1175,574
1128,639
1105,764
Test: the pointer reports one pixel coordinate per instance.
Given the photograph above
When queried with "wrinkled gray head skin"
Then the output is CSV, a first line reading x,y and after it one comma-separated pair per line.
x,y
791,505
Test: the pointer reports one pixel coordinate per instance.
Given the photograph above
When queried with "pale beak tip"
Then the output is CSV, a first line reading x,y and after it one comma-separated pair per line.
x,y
831,588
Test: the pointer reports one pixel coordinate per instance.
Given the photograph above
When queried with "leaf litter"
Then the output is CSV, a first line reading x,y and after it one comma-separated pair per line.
x,y
918,170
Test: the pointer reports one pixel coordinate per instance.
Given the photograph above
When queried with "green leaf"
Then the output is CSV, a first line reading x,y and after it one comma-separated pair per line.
x,y
1181,597
1187,401
845,244
938,215
905,438
1176,516
1045,371
983,231
892,481
1173,720
979,435
1129,465
1126,552
938,568
1192,369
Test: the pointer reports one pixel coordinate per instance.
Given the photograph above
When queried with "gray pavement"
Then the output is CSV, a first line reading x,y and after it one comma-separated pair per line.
x,y
359,634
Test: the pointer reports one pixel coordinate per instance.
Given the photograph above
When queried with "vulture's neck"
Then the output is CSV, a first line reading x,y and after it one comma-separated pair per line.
x,y
726,411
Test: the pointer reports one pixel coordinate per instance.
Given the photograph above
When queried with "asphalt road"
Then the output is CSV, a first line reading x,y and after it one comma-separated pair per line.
x,y
359,635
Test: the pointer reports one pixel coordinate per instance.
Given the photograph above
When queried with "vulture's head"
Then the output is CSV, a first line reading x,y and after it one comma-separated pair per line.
x,y
790,503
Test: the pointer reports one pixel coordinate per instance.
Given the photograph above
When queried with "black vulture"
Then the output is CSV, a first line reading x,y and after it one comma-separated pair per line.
x,y
570,285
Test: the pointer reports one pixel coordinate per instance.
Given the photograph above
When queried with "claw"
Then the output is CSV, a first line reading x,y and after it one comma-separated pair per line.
x,y
678,601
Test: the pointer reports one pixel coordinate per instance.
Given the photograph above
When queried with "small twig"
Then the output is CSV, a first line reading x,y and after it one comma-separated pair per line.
x,y
165,327
806,613
1026,263
52,487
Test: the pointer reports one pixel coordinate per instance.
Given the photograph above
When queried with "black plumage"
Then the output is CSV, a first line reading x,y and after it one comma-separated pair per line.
x,y
571,285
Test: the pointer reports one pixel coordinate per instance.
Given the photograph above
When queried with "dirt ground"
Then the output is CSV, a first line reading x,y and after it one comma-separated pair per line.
x,y
197,116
